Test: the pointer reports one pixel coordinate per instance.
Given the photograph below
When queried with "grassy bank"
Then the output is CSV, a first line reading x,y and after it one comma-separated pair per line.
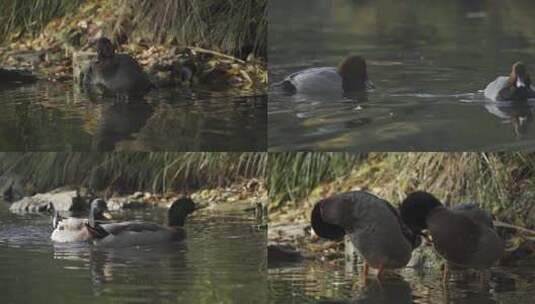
x,y
503,183
229,26
156,172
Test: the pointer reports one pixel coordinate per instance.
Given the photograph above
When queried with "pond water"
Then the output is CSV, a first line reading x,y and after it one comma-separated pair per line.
x,y
318,283
58,117
429,60
223,260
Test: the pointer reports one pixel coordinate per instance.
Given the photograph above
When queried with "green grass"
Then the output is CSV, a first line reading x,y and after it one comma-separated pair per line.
x,y
157,172
503,183
293,175
237,27
30,16
232,26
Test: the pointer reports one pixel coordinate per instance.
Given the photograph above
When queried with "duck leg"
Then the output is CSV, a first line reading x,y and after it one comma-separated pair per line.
x,y
380,272
445,274
483,279
366,269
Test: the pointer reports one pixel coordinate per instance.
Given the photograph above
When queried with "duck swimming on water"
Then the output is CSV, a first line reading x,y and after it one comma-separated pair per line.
x,y
515,87
135,233
349,77
74,229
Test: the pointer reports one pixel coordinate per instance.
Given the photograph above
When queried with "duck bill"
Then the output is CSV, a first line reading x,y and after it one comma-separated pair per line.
x,y
520,83
107,215
428,239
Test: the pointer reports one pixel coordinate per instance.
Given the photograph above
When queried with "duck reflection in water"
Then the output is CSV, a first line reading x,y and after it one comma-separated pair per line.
x,y
392,290
117,122
519,114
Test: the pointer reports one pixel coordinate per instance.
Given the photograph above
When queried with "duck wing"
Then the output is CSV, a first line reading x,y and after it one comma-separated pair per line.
x,y
133,226
462,237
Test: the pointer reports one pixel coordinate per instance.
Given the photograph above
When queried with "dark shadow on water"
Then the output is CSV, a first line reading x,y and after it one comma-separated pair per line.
x,y
56,117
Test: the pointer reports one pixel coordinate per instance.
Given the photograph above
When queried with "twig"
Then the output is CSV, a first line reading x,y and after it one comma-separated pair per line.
x,y
502,224
201,50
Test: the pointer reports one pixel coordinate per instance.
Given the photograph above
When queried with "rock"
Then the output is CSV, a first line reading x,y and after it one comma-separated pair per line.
x,y
11,188
131,202
281,255
16,76
424,257
80,63
60,200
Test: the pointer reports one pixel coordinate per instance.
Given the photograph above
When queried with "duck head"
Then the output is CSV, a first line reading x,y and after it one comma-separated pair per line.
x,y
519,77
98,211
104,48
415,209
322,228
179,211
354,74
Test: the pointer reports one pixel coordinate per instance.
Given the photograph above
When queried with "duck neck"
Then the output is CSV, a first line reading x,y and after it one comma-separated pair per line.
x,y
177,218
92,219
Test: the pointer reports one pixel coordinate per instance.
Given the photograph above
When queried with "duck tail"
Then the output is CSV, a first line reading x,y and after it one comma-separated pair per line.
x,y
285,86
322,228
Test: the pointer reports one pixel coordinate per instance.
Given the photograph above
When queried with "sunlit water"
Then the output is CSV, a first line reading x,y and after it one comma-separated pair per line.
x,y
223,260
318,283
429,60
58,117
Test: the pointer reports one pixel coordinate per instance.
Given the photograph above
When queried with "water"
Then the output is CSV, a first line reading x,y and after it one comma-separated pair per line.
x,y
223,260
58,117
319,283
429,60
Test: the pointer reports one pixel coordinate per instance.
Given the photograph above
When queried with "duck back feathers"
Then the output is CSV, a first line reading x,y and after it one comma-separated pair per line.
x,y
374,226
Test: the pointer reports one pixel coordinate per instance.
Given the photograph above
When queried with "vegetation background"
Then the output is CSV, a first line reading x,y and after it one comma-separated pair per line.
x,y
233,26
503,183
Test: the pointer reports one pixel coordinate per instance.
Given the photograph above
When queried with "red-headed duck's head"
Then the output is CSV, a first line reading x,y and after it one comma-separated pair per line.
x,y
354,73
519,77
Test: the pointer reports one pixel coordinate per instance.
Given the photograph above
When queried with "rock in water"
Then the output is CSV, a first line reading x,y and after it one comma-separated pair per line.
x,y
41,202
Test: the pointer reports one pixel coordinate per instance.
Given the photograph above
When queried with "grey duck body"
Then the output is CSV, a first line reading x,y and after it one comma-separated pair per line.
x,y
374,225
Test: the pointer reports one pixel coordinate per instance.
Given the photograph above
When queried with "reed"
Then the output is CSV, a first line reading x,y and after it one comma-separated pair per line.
x,y
503,183
133,171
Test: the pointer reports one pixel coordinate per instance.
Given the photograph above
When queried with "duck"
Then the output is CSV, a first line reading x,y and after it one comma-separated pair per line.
x,y
137,233
374,225
349,77
515,87
463,235
68,230
117,74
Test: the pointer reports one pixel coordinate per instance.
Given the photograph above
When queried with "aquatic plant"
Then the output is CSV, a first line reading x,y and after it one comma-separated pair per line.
x,y
132,171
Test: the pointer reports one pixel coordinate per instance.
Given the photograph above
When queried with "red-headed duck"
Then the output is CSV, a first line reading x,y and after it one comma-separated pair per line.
x,y
350,76
517,86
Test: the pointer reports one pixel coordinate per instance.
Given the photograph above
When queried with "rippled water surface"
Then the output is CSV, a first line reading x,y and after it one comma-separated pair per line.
x,y
319,283
58,117
222,261
429,61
